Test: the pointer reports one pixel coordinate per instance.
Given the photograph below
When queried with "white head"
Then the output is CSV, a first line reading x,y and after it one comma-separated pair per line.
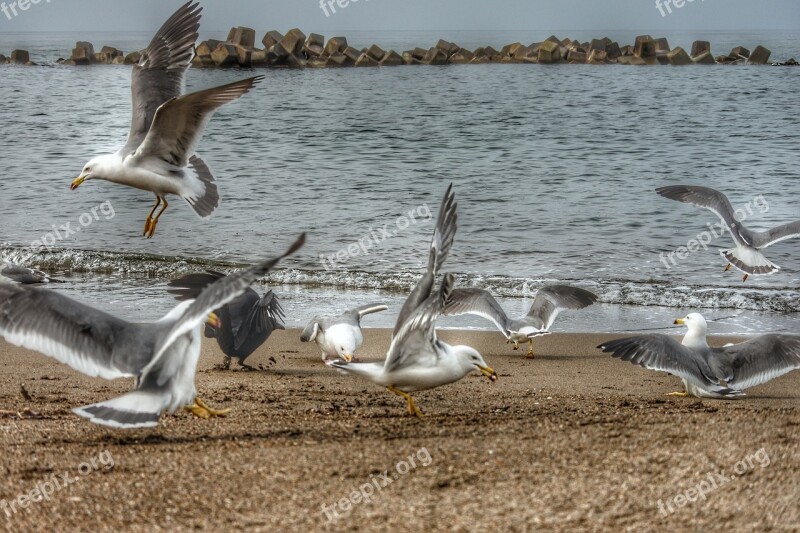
x,y
470,359
346,347
98,168
697,327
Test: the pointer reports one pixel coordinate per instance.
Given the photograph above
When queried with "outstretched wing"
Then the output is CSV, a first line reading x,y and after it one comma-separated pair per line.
x,y
66,330
416,342
264,317
359,312
710,199
311,330
775,235
759,360
553,299
179,123
215,296
443,236
159,75
478,302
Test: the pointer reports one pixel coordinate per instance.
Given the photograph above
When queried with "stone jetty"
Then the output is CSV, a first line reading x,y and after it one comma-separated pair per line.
x,y
295,49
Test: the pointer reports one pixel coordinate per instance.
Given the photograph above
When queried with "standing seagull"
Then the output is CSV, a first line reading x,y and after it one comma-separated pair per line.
x,y
162,356
548,303
340,335
703,369
167,124
747,256
244,324
417,359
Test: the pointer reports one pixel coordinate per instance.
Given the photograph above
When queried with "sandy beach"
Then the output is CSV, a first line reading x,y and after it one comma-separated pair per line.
x,y
572,440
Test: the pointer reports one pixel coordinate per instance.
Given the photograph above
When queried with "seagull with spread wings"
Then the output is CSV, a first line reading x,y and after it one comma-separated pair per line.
x,y
167,125
710,372
340,335
161,356
549,302
417,359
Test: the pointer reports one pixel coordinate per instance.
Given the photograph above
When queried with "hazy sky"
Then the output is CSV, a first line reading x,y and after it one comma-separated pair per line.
x,y
639,15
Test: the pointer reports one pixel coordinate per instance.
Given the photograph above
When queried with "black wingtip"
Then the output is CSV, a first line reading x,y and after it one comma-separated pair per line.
x,y
299,243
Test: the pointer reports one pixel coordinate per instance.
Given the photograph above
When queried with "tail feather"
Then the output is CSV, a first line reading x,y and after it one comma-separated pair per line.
x,y
205,201
750,261
135,410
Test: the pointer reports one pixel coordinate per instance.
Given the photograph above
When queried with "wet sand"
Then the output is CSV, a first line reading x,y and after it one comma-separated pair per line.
x,y
574,440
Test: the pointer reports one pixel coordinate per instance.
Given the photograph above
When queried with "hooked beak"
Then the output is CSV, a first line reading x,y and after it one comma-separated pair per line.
x,y
680,321
348,357
213,321
77,182
488,372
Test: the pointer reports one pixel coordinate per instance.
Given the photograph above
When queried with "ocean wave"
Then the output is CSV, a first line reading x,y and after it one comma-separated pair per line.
x,y
609,291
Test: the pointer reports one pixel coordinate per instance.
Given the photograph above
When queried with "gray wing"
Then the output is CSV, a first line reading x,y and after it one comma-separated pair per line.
x,y
359,312
763,239
23,275
215,296
190,286
478,302
311,330
69,331
759,360
416,342
265,317
178,124
443,236
158,77
553,299
664,354
710,199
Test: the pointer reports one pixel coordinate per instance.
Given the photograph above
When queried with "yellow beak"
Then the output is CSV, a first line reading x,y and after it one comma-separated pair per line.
x,y
213,321
679,321
77,182
488,372
348,357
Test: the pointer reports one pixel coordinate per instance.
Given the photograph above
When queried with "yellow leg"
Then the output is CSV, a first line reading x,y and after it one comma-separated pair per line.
x,y
412,407
149,220
530,352
201,410
682,394
154,223
727,267
745,277
516,345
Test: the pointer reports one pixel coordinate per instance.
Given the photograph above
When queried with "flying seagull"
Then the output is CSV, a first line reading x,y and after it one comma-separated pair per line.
x,y
244,324
417,360
24,275
340,335
548,303
167,124
710,372
162,356
747,256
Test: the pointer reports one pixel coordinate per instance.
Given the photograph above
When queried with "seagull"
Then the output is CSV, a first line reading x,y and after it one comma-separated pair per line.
x,y
162,356
340,335
747,256
244,324
417,360
710,372
167,124
549,301
24,275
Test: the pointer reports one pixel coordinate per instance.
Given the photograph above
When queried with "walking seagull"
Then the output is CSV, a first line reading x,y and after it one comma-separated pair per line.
x,y
162,356
167,125
710,372
417,360
747,256
339,336
549,302
244,324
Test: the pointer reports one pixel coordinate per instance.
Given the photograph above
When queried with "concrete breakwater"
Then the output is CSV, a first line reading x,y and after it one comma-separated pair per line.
x,y
295,49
